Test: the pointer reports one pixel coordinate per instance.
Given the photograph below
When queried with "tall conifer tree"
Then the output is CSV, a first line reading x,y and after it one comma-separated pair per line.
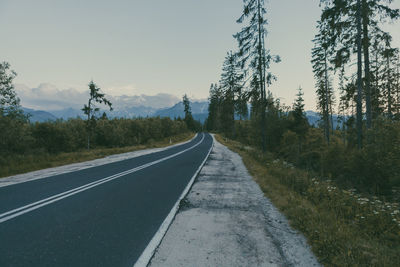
x,y
254,57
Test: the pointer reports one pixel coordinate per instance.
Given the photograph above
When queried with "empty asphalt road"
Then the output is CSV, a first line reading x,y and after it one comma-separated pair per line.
x,y
100,216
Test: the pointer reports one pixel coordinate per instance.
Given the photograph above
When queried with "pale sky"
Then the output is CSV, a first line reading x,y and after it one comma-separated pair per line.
x,y
147,47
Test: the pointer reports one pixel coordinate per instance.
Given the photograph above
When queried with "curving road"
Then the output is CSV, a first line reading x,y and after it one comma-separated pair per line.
x,y
100,216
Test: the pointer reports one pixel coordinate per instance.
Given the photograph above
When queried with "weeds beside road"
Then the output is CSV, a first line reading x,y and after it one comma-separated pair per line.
x,y
343,227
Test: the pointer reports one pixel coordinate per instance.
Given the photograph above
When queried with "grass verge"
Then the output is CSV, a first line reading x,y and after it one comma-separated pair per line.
x,y
342,227
17,164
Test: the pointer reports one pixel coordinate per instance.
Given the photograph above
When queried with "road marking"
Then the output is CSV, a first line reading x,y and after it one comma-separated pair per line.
x,y
149,251
38,204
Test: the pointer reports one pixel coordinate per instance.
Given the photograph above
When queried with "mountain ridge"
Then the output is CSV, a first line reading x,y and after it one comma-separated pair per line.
x,y
199,111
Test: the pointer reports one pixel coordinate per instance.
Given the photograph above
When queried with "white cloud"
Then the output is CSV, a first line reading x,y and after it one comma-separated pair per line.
x,y
129,90
49,97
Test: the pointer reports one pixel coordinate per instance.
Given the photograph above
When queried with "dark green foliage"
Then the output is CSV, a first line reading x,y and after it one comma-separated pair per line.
x,y
215,99
19,138
297,118
69,136
322,69
353,28
233,99
91,109
191,124
52,137
255,59
374,169
12,119
9,102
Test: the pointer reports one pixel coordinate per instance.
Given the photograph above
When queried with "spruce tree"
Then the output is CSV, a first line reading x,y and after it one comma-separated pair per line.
x,y
255,59
188,113
351,24
214,100
231,84
390,68
322,69
300,125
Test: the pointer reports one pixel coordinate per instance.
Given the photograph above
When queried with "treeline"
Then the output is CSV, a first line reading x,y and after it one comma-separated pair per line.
x,y
364,150
20,137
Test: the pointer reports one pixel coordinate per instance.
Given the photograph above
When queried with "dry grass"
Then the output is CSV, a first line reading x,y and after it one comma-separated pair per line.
x,y
342,227
17,164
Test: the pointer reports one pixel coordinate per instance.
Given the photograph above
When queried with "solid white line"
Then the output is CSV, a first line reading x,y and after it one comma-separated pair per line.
x,y
73,167
38,204
149,251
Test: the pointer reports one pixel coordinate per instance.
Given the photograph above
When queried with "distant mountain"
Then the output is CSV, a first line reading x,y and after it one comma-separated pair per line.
x,y
67,113
39,115
314,118
124,112
131,112
199,111
142,101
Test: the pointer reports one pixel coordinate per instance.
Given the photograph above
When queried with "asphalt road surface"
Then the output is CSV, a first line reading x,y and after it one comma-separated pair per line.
x,y
100,216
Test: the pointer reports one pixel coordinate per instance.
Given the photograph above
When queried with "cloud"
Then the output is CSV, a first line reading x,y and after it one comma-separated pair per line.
x,y
49,97
121,90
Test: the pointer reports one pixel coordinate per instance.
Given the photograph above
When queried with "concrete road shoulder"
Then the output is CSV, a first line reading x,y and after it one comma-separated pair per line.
x,y
225,220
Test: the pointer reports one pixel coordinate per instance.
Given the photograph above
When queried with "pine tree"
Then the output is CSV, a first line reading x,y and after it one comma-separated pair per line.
x,y
397,86
373,11
215,100
254,57
300,120
188,113
359,76
91,109
378,45
322,69
231,84
390,68
354,20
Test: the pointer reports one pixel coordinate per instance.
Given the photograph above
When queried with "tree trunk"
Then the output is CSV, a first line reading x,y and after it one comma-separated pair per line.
x,y
389,87
327,101
365,21
375,111
398,87
88,125
359,77
261,75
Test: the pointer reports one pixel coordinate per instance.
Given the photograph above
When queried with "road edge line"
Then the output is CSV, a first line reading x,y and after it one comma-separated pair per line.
x,y
151,248
13,179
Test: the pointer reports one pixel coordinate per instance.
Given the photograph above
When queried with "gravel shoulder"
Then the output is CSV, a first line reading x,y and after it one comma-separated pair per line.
x,y
226,220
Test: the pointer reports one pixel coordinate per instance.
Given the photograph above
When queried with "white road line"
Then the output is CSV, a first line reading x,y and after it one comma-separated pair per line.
x,y
149,251
38,204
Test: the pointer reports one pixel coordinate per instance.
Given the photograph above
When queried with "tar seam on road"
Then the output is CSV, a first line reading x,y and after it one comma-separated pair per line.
x,y
149,251
38,204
